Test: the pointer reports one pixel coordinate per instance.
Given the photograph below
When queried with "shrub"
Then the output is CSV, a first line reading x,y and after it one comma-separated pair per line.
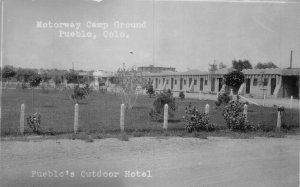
x,y
35,80
181,95
34,122
195,120
24,85
150,90
158,105
80,93
223,99
234,117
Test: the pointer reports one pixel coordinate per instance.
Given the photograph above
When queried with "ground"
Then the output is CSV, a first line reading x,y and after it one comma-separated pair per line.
x,y
171,161
172,158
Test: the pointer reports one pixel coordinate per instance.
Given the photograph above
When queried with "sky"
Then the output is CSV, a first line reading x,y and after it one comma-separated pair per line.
x,y
182,34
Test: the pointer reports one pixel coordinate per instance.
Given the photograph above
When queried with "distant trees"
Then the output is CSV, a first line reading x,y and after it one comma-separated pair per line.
x,y
72,77
239,65
23,75
222,65
266,65
8,72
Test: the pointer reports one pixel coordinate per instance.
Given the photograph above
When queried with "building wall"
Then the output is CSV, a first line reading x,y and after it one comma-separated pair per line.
x,y
256,84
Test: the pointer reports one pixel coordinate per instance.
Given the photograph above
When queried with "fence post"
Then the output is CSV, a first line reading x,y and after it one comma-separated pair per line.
x,y
245,111
291,102
200,93
22,118
166,117
206,109
279,117
76,118
122,117
231,92
264,99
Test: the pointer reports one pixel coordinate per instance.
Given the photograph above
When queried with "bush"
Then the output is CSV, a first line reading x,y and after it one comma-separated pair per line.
x,y
195,120
24,85
158,105
181,95
150,90
35,80
223,99
34,122
80,93
234,117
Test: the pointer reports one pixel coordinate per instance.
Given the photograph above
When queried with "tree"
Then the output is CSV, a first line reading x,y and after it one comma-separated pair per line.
x,y
57,80
241,64
149,89
127,81
222,65
8,72
234,79
266,65
72,77
34,81
24,74
166,97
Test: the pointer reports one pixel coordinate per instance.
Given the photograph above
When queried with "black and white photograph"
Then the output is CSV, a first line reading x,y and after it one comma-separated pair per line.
x,y
144,93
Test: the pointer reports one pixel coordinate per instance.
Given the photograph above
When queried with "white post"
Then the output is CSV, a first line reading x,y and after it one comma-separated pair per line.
x,y
206,109
279,118
166,117
122,117
200,93
245,111
291,102
76,119
22,119
264,99
231,92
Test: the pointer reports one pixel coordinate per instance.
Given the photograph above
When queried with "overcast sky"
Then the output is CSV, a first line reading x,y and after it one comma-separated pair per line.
x,y
182,34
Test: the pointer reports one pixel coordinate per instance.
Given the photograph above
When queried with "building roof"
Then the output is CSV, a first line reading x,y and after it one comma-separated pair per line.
x,y
272,71
191,72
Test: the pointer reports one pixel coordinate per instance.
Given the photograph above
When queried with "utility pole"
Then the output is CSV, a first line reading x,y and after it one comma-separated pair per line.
x,y
291,59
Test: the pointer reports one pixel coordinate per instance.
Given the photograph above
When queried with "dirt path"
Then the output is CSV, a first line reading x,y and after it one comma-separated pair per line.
x,y
166,162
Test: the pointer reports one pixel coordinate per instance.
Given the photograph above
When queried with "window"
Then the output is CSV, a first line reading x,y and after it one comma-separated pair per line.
x,y
175,81
195,82
159,82
265,81
205,82
255,82
167,81
184,82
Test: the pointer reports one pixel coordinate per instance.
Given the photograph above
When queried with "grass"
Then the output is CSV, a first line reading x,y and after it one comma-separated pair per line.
x,y
99,116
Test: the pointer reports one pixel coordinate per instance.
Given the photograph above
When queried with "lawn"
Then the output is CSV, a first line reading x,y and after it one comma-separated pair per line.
x,y
101,113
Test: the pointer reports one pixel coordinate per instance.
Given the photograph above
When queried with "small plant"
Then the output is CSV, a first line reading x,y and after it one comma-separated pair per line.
x,y
24,85
80,93
234,117
223,99
34,122
195,120
181,95
161,99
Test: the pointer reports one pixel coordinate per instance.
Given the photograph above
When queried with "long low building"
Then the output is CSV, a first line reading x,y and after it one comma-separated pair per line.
x,y
274,82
